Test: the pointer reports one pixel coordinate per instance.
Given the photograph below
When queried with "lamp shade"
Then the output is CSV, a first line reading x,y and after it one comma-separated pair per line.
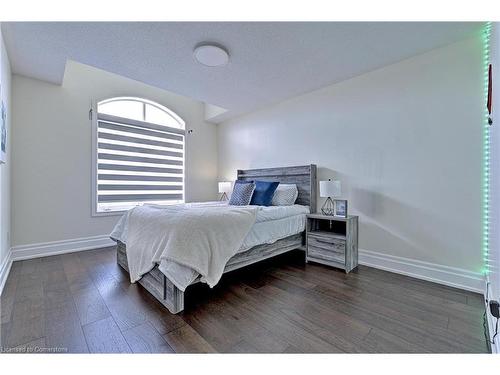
x,y
329,189
225,187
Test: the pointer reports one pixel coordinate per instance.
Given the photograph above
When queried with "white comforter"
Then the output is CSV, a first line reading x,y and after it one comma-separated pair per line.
x,y
289,220
202,238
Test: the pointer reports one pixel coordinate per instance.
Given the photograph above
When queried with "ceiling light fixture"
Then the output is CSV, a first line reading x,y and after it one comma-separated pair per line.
x,y
210,54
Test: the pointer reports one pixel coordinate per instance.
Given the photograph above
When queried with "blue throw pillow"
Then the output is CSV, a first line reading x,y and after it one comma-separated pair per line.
x,y
242,194
263,193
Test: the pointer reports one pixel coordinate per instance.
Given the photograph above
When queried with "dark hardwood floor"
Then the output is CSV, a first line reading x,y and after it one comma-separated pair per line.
x,y
84,302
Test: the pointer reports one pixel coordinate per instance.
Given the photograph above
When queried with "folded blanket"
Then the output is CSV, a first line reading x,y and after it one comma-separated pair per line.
x,y
202,238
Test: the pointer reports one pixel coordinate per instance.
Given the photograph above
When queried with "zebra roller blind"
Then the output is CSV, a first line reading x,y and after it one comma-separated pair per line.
x,y
140,157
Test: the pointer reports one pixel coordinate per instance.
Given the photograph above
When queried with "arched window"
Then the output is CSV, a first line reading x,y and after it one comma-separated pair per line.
x,y
139,155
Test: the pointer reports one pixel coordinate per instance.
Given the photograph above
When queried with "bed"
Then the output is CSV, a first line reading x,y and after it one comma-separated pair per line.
x,y
172,297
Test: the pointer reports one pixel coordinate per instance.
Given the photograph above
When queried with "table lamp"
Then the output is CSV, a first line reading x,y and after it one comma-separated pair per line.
x,y
224,189
329,189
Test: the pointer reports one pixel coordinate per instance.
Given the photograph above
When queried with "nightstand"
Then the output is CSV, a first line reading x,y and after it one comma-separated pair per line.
x,y
332,240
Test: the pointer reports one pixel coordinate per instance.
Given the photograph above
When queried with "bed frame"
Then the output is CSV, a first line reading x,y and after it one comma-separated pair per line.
x,y
303,176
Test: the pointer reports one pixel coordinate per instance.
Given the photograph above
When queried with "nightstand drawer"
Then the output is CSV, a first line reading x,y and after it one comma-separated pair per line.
x,y
326,248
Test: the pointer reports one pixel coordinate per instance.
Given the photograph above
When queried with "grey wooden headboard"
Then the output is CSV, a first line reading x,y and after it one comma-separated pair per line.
x,y
304,176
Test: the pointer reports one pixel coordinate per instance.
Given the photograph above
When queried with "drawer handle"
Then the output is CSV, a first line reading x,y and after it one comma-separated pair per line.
x,y
324,241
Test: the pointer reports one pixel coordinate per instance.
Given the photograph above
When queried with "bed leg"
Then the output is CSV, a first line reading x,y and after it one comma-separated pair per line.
x,y
173,297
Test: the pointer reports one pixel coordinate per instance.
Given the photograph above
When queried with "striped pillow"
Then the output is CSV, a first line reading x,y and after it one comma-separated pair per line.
x,y
285,195
242,194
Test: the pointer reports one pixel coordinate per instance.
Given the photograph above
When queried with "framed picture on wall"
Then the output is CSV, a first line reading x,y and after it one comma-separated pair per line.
x,y
3,131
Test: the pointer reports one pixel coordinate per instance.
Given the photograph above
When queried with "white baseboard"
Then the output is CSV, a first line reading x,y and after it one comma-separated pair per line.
x,y
5,269
60,247
450,276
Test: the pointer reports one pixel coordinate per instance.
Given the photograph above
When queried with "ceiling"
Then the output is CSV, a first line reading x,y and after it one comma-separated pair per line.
x,y
269,61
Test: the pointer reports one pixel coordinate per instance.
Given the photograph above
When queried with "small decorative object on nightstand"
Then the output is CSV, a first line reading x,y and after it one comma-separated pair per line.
x,y
340,207
332,241
225,189
329,189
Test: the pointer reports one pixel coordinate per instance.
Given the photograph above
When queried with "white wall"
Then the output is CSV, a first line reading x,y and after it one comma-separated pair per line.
x,y
404,140
5,81
51,198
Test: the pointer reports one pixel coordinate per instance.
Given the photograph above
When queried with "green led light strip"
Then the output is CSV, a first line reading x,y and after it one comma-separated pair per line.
x,y
486,151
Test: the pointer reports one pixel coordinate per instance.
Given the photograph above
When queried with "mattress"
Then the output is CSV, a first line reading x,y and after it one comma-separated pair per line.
x,y
264,213
272,224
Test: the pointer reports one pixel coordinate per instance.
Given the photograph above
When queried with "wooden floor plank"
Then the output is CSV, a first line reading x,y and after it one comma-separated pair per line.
x,y
90,306
269,315
335,327
254,334
396,293
28,319
22,330
162,321
9,293
84,302
104,336
387,319
125,313
378,341
186,340
63,329
210,320
145,339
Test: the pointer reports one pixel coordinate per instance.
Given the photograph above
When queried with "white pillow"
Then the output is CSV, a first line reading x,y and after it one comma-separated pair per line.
x,y
285,195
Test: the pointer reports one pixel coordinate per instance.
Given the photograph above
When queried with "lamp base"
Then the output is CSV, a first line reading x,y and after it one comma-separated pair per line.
x,y
223,197
328,207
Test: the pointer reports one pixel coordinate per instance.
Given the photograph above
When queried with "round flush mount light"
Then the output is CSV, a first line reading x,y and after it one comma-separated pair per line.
x,y
210,54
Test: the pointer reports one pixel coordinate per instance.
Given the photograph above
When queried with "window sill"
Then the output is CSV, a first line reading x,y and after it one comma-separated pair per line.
x,y
96,213
108,213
